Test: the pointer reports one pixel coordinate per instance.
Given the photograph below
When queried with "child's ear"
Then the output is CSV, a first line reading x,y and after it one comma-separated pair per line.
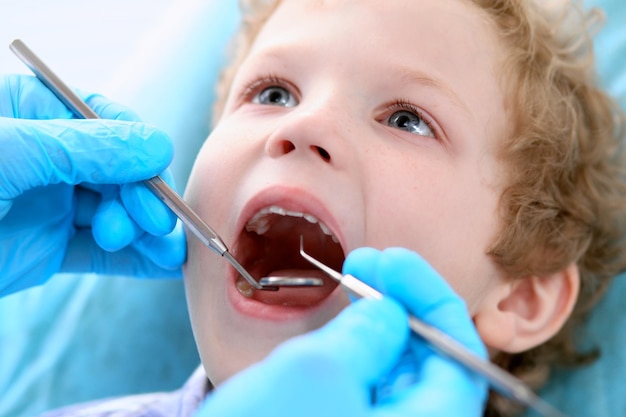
x,y
523,313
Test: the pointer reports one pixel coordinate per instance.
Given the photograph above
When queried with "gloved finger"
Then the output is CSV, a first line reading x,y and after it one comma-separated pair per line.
x,y
108,109
146,209
33,238
25,97
363,341
5,206
407,277
84,255
112,227
447,310
168,252
445,390
362,263
71,151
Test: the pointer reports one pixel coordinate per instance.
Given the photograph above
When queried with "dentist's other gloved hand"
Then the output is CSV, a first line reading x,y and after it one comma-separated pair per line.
x,y
333,371
70,200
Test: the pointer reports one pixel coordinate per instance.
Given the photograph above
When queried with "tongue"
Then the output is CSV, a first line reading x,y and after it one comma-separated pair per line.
x,y
297,296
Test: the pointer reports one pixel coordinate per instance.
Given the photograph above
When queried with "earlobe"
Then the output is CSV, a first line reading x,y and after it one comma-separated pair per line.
x,y
521,314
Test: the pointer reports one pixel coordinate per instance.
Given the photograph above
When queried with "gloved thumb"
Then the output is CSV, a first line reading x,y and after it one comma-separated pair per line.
x,y
363,342
410,279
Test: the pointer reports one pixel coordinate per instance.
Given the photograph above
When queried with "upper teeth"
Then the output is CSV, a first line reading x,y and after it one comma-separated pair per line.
x,y
260,222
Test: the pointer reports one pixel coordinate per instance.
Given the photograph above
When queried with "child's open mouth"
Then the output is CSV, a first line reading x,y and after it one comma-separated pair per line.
x,y
269,246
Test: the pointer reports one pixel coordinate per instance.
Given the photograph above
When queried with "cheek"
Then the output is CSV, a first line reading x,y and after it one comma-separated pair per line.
x,y
223,144
210,187
204,286
448,216
209,162
204,280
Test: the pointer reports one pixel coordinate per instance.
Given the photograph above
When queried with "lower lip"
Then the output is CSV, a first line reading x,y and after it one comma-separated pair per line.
x,y
278,313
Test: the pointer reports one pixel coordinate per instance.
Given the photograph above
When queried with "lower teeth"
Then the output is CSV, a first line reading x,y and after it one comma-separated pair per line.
x,y
245,288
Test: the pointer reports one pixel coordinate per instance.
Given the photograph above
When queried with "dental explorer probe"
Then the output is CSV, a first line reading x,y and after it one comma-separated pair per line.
x,y
499,379
159,187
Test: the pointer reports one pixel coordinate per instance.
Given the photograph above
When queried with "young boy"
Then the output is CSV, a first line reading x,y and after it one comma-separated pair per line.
x,y
468,131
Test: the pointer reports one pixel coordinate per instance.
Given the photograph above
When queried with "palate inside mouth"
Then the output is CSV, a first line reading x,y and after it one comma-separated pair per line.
x,y
276,253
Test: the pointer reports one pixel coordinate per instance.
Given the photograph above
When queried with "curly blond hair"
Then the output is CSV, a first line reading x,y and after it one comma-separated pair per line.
x,y
565,195
565,199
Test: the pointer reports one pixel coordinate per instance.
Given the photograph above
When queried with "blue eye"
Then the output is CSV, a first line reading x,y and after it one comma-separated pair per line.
x,y
275,96
410,122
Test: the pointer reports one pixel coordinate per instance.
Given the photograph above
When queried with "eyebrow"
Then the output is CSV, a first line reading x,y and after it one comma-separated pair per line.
x,y
411,74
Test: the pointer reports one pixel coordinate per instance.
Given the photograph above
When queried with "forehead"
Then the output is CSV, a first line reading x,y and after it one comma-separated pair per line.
x,y
453,42
419,22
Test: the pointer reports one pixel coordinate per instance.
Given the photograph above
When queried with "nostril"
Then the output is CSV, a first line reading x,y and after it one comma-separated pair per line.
x,y
322,152
287,146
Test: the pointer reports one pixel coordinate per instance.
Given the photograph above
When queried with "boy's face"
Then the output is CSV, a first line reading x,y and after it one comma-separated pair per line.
x,y
377,118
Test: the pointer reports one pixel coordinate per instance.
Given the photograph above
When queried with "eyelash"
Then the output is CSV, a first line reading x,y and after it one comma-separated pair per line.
x,y
258,84
403,104
254,86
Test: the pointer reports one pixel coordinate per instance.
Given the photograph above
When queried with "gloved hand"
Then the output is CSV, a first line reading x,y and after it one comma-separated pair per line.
x,y
69,191
333,371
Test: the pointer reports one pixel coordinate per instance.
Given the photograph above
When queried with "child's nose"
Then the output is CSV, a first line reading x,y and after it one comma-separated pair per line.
x,y
280,147
308,132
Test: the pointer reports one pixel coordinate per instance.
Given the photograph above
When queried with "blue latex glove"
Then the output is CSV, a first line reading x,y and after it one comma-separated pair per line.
x,y
69,196
332,371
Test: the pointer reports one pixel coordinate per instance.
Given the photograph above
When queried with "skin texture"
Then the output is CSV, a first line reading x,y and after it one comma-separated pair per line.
x,y
336,153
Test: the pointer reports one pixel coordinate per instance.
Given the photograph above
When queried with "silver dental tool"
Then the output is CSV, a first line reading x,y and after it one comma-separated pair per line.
x,y
503,382
291,281
159,187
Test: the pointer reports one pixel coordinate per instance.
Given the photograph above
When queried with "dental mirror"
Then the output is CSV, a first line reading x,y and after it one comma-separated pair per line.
x,y
291,282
